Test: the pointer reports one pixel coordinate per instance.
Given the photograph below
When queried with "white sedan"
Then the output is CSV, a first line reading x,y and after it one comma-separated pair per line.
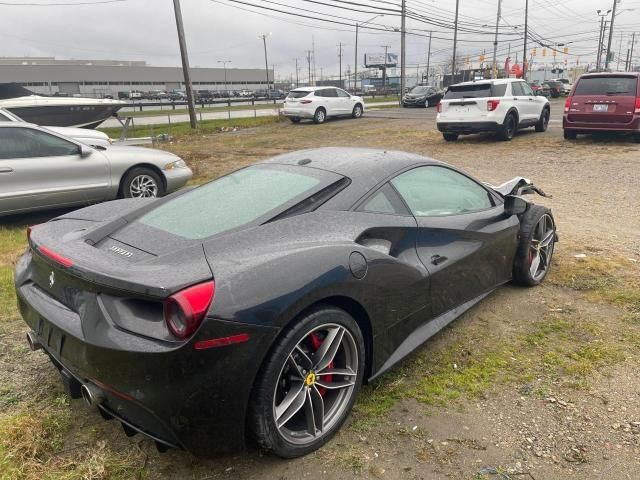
x,y
320,103
87,136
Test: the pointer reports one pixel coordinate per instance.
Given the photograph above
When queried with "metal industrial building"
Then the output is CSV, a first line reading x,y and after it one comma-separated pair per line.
x,y
96,78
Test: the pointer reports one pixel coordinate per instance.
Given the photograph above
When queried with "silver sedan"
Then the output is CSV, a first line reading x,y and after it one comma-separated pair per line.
x,y
42,169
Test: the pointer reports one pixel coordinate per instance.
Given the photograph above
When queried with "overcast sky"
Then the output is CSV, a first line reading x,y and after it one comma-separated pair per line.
x,y
220,30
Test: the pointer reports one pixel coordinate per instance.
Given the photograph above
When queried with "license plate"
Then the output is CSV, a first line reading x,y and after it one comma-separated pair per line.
x,y
462,109
600,108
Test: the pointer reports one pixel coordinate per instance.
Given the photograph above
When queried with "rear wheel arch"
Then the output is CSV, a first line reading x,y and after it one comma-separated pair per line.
x,y
150,166
512,111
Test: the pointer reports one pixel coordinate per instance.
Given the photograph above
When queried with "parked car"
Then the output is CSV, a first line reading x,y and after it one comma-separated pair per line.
x,y
540,89
320,103
42,169
566,85
555,88
135,95
170,310
177,95
500,106
246,93
422,96
85,135
603,102
156,95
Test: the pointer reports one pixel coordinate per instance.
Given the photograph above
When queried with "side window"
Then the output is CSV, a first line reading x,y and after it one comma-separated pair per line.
x,y
342,93
527,89
27,143
330,93
438,191
4,118
516,89
385,200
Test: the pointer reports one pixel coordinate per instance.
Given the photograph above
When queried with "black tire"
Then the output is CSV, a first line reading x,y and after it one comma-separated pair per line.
x,y
522,265
320,116
262,421
543,123
450,137
569,135
294,119
508,129
128,183
357,111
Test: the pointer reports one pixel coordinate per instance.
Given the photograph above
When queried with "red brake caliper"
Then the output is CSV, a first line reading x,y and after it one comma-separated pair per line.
x,y
315,343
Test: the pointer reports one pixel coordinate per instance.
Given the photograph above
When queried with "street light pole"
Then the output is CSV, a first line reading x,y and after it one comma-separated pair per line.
x,y
455,42
266,62
494,73
429,57
224,63
601,37
185,65
613,18
526,35
403,46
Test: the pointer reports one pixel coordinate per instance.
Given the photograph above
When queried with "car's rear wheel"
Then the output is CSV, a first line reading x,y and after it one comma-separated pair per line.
x,y
294,119
450,137
508,128
141,182
357,111
320,116
569,135
543,123
308,384
536,246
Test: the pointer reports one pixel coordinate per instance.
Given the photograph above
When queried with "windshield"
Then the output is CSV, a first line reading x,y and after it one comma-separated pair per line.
x,y
613,86
237,200
419,90
475,90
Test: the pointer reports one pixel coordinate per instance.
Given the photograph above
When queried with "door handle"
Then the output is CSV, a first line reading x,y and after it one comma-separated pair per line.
x,y
438,259
6,170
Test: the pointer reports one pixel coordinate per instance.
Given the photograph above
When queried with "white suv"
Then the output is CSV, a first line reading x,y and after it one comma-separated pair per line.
x,y
320,103
501,106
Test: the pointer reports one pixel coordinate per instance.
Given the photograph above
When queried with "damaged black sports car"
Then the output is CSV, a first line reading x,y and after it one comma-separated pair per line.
x,y
253,307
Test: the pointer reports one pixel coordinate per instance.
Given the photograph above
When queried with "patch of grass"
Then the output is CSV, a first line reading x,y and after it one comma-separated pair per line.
x,y
184,129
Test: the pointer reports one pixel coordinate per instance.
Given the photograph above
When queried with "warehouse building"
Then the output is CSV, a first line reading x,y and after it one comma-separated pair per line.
x,y
97,78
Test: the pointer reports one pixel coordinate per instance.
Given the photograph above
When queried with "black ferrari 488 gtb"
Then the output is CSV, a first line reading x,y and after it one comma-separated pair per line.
x,y
254,306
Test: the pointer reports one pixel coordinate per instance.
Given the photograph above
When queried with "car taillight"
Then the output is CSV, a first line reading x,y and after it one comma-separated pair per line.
x,y
567,104
638,105
439,107
184,311
56,257
305,101
492,105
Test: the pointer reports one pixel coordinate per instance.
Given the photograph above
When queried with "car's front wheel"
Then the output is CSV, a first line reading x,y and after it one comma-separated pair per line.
x,y
450,137
357,111
535,250
308,384
141,182
320,116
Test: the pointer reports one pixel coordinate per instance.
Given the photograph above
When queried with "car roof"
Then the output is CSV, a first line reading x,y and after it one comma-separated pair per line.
x,y
491,81
312,89
611,74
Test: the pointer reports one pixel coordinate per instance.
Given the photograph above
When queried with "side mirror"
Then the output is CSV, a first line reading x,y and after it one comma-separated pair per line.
x,y
515,205
85,151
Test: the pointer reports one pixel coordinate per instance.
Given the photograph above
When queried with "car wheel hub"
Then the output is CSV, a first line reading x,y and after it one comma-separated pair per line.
x,y
316,384
143,186
541,249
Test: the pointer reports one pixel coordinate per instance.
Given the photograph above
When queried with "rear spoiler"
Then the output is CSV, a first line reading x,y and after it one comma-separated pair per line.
x,y
518,186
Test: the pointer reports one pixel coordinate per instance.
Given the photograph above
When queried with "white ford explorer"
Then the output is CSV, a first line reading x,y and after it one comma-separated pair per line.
x,y
501,106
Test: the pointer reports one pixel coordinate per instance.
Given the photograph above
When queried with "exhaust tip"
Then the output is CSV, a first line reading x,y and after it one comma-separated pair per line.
x,y
92,395
34,343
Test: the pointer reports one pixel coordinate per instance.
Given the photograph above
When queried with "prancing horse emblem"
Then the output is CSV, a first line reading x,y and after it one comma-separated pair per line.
x,y
52,280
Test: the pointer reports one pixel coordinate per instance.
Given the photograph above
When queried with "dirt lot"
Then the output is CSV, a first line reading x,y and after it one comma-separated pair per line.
x,y
531,384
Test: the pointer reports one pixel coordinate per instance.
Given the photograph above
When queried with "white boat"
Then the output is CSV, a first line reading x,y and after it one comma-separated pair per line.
x,y
56,111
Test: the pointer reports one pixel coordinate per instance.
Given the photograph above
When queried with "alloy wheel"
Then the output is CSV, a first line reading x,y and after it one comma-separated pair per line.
x,y
143,186
541,248
316,384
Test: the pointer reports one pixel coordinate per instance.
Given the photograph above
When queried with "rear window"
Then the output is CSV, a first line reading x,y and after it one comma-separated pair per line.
x,y
249,196
613,86
297,94
476,90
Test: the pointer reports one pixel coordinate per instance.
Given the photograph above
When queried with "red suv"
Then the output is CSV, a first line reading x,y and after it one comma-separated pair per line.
x,y
603,102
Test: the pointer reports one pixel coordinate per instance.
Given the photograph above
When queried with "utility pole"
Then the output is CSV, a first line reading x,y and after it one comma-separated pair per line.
x,y
429,57
340,62
185,64
309,64
455,42
384,69
266,63
620,54
494,73
633,42
355,66
613,18
526,35
297,76
600,39
224,64
403,46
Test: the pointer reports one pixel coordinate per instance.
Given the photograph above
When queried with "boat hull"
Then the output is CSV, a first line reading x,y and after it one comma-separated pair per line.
x,y
83,116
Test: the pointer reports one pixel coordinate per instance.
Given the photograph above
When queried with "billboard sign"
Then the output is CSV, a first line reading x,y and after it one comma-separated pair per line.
x,y
377,60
